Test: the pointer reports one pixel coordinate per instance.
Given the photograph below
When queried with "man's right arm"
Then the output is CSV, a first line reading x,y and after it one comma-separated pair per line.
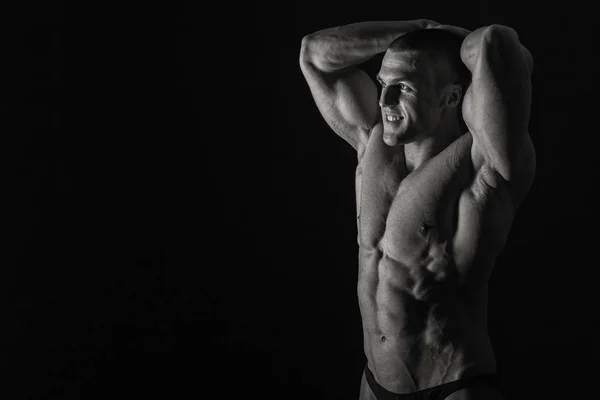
x,y
344,94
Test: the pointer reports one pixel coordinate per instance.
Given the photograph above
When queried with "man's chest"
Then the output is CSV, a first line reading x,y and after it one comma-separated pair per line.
x,y
410,213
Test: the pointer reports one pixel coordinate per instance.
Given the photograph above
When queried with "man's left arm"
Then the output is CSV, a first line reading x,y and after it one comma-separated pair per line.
x,y
496,106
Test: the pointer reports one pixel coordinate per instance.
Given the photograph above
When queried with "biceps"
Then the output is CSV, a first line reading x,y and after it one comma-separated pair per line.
x,y
347,101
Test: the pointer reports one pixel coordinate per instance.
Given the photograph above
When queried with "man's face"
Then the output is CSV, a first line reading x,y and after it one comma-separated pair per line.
x,y
409,101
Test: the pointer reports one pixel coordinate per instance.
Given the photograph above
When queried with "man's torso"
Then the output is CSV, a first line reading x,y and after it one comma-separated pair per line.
x,y
428,241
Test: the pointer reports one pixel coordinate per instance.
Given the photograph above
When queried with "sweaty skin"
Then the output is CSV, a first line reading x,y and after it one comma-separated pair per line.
x,y
434,205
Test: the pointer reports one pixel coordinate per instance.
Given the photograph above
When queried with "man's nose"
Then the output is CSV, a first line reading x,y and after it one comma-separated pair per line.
x,y
389,96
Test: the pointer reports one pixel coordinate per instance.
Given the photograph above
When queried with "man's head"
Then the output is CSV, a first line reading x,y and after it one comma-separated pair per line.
x,y
423,81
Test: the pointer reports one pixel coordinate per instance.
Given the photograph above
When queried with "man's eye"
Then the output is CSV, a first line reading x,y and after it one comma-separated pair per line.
x,y
403,87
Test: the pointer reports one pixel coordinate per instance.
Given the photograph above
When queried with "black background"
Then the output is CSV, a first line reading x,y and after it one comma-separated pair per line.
x,y
186,219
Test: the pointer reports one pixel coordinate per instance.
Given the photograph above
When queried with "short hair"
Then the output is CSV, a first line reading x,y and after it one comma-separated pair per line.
x,y
437,43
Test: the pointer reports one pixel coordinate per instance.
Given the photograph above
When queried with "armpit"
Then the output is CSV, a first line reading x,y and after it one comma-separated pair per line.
x,y
488,182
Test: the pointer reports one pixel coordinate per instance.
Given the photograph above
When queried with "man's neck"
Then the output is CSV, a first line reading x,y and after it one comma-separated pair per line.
x,y
418,152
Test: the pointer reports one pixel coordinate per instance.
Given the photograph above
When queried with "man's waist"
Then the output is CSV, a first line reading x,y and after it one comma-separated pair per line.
x,y
397,364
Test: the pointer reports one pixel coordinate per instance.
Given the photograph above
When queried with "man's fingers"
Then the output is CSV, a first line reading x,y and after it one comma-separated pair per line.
x,y
432,24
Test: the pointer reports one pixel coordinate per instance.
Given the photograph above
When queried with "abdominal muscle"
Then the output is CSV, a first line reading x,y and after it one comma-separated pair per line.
x,y
419,329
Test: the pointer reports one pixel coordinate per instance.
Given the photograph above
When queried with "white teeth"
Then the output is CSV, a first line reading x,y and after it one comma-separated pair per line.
x,y
393,118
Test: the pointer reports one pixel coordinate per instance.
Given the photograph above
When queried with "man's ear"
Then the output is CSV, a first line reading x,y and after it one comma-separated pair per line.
x,y
453,96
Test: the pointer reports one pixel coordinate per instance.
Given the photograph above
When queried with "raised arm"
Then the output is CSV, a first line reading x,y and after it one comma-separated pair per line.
x,y
344,94
496,106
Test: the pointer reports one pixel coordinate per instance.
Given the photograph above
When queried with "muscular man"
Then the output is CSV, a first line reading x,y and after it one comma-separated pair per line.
x,y
435,202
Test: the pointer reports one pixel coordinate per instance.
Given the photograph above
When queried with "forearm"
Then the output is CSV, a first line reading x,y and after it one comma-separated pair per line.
x,y
334,49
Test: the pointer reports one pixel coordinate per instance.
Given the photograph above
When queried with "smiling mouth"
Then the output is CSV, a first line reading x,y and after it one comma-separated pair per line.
x,y
393,118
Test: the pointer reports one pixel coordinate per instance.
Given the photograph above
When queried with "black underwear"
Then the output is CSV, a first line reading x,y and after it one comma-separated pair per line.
x,y
433,393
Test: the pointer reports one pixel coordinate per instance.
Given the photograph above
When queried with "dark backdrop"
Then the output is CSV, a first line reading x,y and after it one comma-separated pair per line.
x,y
183,231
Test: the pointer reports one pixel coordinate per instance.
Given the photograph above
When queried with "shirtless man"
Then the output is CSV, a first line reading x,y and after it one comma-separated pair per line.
x,y
435,202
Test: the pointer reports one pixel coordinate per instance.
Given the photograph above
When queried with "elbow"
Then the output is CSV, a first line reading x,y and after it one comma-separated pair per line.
x,y
496,32
473,44
499,37
311,54
507,37
306,41
477,40
305,47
